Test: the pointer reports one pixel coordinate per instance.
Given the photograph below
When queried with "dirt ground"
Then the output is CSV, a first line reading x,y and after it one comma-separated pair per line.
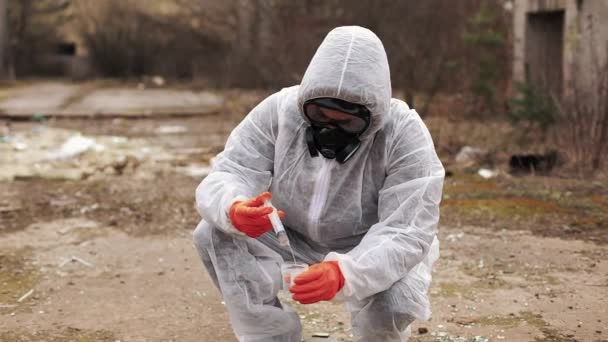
x,y
109,256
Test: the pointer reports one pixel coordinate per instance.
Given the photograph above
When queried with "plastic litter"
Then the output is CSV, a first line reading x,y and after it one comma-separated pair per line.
x,y
158,81
487,174
321,335
171,129
27,294
469,156
75,146
455,237
19,146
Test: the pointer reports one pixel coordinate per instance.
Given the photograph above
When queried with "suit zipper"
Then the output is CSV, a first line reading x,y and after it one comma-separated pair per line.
x,y
319,196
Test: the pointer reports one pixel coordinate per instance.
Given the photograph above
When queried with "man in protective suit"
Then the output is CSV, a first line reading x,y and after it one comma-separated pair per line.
x,y
358,183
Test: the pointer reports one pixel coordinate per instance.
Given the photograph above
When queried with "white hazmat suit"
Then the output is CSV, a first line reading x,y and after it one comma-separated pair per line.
x,y
376,214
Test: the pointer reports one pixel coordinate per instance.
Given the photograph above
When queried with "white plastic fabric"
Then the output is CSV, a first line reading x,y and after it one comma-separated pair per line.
x,y
376,214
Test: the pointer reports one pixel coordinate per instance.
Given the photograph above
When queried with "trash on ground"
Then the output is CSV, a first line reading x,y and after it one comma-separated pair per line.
x,y
454,237
487,173
171,129
60,154
74,146
27,294
320,334
469,155
75,259
19,146
158,81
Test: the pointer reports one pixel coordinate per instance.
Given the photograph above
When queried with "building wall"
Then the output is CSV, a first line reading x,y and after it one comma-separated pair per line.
x,y
585,38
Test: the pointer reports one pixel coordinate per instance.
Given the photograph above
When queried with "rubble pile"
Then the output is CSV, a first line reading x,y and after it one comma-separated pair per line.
x,y
60,154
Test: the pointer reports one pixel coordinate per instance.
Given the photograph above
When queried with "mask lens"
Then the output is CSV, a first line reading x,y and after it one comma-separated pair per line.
x,y
354,125
347,122
314,114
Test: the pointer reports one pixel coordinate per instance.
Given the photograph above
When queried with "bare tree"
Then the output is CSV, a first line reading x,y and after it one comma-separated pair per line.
x,y
582,121
268,43
3,36
583,118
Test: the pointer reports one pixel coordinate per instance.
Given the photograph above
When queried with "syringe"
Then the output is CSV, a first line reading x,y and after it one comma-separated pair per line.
x,y
277,225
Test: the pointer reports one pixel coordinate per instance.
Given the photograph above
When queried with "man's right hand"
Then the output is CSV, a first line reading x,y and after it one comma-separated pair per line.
x,y
251,217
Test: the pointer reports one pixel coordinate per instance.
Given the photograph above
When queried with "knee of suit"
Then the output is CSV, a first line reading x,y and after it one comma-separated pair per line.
x,y
383,319
385,312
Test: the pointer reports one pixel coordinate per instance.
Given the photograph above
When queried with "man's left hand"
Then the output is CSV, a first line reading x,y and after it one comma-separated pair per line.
x,y
320,282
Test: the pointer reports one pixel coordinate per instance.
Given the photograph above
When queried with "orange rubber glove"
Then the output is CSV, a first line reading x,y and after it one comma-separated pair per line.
x,y
251,217
320,282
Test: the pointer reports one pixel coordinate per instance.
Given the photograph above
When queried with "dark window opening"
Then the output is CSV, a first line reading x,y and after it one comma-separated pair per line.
x,y
66,49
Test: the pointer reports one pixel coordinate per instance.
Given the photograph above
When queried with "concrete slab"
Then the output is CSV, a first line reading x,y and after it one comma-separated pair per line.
x,y
56,99
36,99
145,101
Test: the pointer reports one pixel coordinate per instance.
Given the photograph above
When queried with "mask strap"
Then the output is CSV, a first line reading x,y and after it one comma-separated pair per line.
x,y
310,141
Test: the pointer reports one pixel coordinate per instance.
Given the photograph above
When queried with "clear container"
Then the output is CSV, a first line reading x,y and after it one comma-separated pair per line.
x,y
289,272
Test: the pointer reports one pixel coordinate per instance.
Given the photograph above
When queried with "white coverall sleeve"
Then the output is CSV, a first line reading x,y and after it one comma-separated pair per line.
x,y
408,211
244,169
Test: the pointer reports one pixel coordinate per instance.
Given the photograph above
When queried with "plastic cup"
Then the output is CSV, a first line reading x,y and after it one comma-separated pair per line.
x,y
289,272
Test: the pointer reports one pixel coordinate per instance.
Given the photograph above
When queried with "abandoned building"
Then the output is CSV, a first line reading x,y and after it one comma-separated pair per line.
x,y
558,42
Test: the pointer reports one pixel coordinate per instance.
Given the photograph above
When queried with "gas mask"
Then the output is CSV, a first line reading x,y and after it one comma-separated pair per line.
x,y
336,126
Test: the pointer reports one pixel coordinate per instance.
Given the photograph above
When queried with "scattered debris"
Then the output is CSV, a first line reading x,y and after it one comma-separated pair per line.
x,y
27,294
19,146
171,129
118,140
480,339
7,306
487,173
75,259
61,174
454,237
158,81
469,156
60,154
423,330
321,334
74,146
